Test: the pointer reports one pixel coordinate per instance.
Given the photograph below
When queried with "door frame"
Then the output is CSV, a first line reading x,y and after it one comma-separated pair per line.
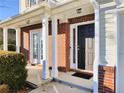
x,y
72,26
31,47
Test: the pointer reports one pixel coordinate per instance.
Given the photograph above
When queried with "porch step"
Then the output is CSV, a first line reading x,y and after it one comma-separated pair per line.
x,y
72,85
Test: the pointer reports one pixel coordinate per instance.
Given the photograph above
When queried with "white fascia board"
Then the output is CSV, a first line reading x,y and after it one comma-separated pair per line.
x,y
104,1
22,17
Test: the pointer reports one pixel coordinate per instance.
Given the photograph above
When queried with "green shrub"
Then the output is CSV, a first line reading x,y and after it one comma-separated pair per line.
x,y
4,88
12,69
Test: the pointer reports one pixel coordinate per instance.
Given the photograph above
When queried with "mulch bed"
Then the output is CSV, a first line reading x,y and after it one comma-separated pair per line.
x,y
26,89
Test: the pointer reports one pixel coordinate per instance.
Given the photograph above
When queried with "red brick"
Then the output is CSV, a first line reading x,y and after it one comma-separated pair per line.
x,y
106,79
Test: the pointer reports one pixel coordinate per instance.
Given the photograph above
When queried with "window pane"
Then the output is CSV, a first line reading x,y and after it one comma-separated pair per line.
x,y
32,2
1,39
41,49
74,42
35,46
11,40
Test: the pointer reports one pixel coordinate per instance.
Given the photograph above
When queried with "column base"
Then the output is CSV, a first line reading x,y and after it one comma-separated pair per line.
x,y
45,71
106,79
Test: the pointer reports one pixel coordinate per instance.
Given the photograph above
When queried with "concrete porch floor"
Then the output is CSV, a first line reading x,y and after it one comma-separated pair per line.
x,y
66,82
76,81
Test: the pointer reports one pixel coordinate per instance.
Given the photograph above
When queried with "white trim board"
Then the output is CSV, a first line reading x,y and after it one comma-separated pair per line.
x,y
72,26
39,45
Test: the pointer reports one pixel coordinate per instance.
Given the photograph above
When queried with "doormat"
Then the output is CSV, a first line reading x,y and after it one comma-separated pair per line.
x,y
83,75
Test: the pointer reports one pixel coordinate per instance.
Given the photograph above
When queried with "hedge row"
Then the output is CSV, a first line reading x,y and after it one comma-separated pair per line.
x,y
12,69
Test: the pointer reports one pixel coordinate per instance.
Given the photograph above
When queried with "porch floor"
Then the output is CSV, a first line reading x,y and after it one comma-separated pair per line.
x,y
55,87
76,81
46,86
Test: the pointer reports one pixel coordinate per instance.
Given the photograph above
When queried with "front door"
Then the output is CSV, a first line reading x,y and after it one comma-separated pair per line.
x,y
82,46
86,46
36,46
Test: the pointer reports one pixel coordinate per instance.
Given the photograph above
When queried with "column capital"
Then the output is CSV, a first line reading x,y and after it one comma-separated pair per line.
x,y
45,16
5,28
95,4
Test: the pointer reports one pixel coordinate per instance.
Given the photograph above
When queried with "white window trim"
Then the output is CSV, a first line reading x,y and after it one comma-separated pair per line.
x,y
31,53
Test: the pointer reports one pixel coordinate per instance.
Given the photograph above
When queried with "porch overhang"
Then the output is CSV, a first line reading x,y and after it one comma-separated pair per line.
x,y
25,19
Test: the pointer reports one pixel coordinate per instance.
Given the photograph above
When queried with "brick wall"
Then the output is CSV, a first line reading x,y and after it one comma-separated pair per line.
x,y
63,44
65,30
63,40
106,79
85,18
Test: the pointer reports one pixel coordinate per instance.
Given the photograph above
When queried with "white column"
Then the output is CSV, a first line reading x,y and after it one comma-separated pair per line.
x,y
117,48
18,40
45,70
97,51
119,41
5,38
97,46
54,47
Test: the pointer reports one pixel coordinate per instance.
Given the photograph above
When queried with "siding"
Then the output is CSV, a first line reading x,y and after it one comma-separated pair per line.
x,y
110,38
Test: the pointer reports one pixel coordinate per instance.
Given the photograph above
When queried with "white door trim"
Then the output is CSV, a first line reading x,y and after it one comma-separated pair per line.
x,y
39,45
72,26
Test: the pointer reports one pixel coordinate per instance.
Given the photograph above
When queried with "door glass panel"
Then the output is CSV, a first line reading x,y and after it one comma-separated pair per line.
x,y
74,52
81,46
35,46
41,50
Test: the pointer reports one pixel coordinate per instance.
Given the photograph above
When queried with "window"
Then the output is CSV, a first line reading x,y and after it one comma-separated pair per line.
x,y
1,39
30,3
11,40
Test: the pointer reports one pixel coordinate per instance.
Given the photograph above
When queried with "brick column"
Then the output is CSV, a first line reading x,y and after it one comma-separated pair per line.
x,y
106,79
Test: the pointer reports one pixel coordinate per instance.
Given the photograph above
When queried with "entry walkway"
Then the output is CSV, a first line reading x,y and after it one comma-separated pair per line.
x,y
34,75
63,86
55,87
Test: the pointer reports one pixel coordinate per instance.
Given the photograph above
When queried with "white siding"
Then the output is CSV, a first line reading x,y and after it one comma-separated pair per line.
x,y
110,39
107,34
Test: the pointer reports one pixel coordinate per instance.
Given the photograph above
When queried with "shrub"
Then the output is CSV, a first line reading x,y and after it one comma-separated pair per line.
x,y
12,69
4,88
